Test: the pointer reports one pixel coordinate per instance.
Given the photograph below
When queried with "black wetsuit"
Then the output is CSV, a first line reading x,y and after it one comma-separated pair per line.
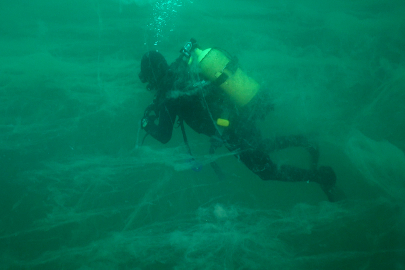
x,y
196,105
200,106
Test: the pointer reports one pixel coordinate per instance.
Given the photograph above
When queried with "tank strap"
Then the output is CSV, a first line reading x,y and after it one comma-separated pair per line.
x,y
183,131
216,142
232,66
213,146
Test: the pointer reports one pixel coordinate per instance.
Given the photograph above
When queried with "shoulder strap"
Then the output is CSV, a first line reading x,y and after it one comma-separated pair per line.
x,y
214,165
183,131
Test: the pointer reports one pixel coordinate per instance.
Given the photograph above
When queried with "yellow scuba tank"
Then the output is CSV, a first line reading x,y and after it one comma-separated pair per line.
x,y
223,70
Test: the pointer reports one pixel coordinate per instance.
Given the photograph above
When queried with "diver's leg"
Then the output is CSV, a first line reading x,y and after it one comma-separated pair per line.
x,y
282,142
249,148
324,175
261,165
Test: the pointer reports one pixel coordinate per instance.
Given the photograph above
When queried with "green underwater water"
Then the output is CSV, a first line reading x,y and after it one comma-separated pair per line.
x,y
79,191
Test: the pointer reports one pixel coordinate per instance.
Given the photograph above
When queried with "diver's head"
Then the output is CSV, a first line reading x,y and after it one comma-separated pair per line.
x,y
153,68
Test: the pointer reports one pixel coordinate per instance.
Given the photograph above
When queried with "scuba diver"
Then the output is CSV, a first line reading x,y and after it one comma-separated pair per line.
x,y
208,91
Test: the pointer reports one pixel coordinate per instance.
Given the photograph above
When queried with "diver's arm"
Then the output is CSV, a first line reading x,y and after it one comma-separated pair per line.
x,y
163,130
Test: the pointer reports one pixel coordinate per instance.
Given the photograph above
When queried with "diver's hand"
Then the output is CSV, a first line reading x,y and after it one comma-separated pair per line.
x,y
147,120
151,108
149,116
144,122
